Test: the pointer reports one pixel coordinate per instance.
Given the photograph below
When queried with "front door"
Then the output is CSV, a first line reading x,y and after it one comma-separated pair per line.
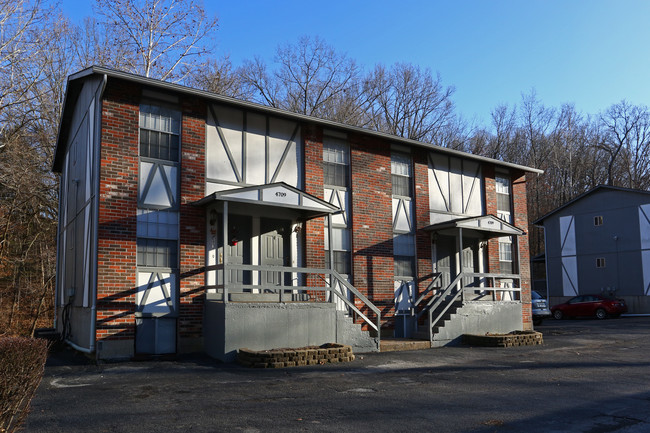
x,y
470,261
238,248
273,250
446,259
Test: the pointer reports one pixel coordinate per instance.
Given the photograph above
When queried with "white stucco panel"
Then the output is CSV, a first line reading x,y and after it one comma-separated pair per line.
x,y
255,149
568,235
570,276
644,226
154,292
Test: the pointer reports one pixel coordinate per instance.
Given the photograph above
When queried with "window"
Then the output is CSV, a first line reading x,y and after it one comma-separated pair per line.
x,y
159,132
335,162
161,224
341,262
503,193
600,262
341,250
505,250
400,168
161,253
598,220
404,255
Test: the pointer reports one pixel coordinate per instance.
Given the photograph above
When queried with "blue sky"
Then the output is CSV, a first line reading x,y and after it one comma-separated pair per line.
x,y
591,53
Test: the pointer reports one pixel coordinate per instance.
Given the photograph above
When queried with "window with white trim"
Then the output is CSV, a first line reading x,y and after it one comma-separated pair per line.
x,y
157,221
340,248
404,255
336,162
336,180
400,168
504,212
159,132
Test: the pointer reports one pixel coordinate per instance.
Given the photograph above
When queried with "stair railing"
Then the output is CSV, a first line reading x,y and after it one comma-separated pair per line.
x,y
448,301
430,287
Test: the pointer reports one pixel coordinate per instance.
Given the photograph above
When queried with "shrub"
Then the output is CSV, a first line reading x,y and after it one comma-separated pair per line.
x,y
22,361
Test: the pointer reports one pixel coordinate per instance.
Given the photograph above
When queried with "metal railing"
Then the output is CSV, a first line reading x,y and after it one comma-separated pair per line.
x,y
443,300
295,291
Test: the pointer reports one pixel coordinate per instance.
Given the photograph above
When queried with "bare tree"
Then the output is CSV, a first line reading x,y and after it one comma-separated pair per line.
x,y
164,39
310,77
22,37
219,76
409,102
626,142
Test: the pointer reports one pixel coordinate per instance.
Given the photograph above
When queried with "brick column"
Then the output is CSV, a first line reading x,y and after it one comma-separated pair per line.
x,y
118,201
314,178
520,208
192,226
372,222
421,208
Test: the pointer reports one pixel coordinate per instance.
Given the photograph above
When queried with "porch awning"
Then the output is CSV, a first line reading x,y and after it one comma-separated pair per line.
x,y
487,226
278,195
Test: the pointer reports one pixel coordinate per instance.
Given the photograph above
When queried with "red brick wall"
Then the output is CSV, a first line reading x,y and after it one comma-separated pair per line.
x,y
118,201
372,240
521,221
192,220
314,229
421,208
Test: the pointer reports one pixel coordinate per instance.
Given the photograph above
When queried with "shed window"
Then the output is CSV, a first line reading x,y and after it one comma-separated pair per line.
x,y
598,220
600,262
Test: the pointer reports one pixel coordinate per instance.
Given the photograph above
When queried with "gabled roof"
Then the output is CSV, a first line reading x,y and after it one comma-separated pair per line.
x,y
540,221
75,82
278,194
487,224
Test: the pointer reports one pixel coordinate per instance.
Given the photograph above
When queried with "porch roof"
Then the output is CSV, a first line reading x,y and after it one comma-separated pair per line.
x,y
487,225
277,195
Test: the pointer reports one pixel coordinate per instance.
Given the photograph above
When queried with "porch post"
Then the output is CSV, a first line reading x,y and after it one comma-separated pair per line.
x,y
226,272
331,254
460,262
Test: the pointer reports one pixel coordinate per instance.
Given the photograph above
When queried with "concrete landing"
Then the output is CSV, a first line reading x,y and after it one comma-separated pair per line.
x,y
402,344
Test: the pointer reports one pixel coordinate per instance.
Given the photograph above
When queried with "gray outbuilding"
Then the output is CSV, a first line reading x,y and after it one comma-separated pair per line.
x,y
599,242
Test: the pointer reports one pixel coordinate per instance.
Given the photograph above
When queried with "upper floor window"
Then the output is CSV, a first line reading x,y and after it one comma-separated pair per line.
x,y
336,161
400,168
598,220
503,193
159,132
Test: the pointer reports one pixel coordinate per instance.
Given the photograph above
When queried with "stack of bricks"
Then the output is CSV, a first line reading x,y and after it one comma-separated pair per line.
x,y
520,338
280,358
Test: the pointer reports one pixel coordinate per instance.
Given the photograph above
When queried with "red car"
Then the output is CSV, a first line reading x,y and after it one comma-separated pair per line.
x,y
597,306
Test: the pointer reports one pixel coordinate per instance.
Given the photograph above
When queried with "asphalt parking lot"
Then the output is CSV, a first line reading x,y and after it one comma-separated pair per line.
x,y
589,376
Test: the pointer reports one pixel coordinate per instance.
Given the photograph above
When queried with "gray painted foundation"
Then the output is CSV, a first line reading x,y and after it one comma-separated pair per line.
x,y
228,327
480,318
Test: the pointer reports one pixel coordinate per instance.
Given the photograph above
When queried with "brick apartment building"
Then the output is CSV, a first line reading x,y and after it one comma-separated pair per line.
x,y
190,221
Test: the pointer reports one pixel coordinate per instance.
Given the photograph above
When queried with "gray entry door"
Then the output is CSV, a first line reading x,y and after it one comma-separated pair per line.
x,y
238,247
470,261
273,250
446,259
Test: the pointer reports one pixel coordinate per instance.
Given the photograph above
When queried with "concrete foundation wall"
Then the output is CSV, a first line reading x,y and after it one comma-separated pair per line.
x,y
480,318
228,327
